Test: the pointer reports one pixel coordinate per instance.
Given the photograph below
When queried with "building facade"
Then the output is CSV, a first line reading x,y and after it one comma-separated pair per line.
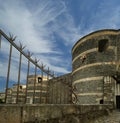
x,y
2,97
9,96
60,90
37,89
21,94
96,68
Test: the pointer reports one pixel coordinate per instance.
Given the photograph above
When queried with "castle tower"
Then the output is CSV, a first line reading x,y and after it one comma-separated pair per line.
x,y
95,67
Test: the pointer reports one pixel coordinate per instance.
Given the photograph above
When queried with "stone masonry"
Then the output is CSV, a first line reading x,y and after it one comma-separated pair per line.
x,y
96,57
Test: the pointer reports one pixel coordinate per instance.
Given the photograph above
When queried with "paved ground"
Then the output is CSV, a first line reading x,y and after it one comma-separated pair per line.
x,y
114,117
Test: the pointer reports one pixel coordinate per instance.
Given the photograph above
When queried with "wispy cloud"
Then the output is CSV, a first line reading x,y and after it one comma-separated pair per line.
x,y
18,20
49,28
32,27
105,16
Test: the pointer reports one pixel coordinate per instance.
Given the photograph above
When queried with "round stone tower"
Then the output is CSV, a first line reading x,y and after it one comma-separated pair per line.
x,y
95,59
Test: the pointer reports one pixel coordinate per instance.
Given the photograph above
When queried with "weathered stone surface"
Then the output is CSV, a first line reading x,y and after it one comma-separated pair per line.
x,y
113,117
95,55
60,90
51,113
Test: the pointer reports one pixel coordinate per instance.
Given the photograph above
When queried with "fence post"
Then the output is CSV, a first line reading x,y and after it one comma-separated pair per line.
x,y
47,86
8,73
29,55
42,67
48,74
19,77
19,72
35,81
12,38
0,40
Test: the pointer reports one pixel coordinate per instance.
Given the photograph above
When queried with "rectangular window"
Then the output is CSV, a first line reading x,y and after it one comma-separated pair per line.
x,y
39,79
103,45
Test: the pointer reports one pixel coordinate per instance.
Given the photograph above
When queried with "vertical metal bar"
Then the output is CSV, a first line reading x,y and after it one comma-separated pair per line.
x,y
34,84
18,85
49,91
41,84
8,72
27,81
0,40
41,91
46,93
42,72
48,74
47,86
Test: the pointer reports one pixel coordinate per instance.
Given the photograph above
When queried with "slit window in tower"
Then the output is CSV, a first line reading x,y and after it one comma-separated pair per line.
x,y
39,79
103,45
101,101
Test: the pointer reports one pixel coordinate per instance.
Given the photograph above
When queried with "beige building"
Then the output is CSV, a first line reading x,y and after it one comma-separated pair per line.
x,y
9,95
37,89
2,97
21,95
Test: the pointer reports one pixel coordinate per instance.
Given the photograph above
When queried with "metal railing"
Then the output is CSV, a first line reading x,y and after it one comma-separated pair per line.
x,y
11,40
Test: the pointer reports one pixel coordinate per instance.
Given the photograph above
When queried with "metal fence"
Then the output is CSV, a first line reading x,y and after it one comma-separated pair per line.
x,y
30,62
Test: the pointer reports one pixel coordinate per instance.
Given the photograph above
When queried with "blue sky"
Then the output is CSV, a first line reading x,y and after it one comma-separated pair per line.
x,y
50,28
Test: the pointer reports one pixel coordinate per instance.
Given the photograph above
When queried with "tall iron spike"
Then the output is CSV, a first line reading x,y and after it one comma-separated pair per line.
x,y
0,40
47,86
8,72
48,74
11,37
36,61
19,72
53,74
34,85
18,85
28,69
42,66
21,46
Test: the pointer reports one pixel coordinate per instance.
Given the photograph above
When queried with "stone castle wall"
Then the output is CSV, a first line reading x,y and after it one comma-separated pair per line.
x,y
93,57
51,113
59,90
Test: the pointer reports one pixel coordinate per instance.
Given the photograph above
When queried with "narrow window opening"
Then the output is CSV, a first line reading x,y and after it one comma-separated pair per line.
x,y
20,87
103,45
101,101
39,79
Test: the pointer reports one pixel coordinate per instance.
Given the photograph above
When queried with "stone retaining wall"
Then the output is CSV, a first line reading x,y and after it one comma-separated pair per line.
x,y
51,113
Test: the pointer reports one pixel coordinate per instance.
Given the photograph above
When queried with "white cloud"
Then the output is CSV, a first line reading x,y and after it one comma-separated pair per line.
x,y
32,27
67,29
18,20
106,16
